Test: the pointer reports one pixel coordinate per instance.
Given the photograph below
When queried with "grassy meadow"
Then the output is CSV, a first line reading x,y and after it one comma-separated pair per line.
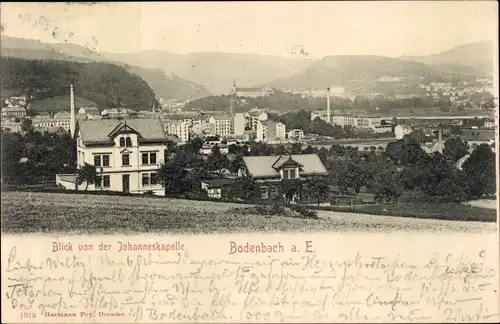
x,y
38,212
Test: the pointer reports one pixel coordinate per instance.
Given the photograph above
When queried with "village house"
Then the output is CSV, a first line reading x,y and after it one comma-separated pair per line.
x,y
215,187
268,171
127,153
296,134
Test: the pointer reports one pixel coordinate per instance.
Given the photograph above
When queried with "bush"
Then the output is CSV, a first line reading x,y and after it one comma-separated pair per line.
x,y
304,211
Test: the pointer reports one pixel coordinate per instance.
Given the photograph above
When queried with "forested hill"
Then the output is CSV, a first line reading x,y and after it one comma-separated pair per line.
x,y
100,82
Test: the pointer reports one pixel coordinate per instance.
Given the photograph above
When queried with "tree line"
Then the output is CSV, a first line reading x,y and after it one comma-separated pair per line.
x,y
402,170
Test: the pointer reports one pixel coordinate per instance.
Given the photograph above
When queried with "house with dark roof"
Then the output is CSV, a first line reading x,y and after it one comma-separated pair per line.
x,y
127,153
269,171
215,187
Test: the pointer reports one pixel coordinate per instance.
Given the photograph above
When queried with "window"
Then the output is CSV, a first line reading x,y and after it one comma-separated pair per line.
x,y
289,174
149,179
125,141
102,182
149,158
101,160
125,159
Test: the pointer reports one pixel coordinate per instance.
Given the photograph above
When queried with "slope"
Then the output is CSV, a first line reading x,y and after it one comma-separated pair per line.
x,y
99,82
478,54
347,70
164,86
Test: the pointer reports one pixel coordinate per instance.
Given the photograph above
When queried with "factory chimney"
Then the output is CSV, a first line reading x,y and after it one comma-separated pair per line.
x,y
440,138
328,106
72,110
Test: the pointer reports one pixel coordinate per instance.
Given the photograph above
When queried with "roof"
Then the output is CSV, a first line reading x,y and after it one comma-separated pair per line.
x,y
436,147
217,183
62,114
98,130
262,166
249,89
222,117
13,109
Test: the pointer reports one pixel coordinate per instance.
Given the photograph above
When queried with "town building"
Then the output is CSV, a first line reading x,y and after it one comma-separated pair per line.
x,y
382,129
252,118
401,130
11,126
296,134
59,120
268,131
250,92
13,112
239,122
220,125
182,130
489,123
268,171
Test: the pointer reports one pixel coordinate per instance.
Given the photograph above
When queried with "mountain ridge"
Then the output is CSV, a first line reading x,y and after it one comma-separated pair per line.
x,y
164,86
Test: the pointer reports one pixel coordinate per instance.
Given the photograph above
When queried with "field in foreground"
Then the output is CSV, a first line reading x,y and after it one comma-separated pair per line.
x,y
25,212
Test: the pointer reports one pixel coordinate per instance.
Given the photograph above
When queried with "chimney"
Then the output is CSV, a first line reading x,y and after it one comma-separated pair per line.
x,y
440,139
72,110
328,105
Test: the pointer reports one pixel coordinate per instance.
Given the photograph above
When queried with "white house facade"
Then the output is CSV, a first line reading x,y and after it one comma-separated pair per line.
x,y
127,154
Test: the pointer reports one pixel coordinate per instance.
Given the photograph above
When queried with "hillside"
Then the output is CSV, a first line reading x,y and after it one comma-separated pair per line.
x,y
479,55
98,82
164,86
216,71
60,103
169,86
346,70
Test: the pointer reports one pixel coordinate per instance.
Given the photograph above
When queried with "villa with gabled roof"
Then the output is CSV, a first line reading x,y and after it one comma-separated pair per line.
x,y
126,153
270,170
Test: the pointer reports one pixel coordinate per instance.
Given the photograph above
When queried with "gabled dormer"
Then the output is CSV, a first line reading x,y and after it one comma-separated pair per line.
x,y
124,136
287,167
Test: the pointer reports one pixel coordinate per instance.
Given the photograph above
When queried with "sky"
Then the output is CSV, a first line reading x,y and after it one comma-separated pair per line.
x,y
293,29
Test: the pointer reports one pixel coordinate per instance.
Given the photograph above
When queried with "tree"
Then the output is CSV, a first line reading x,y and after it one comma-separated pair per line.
x,y
319,189
246,189
216,160
86,173
194,146
405,152
455,149
26,125
481,171
296,148
351,176
288,188
386,187
455,130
